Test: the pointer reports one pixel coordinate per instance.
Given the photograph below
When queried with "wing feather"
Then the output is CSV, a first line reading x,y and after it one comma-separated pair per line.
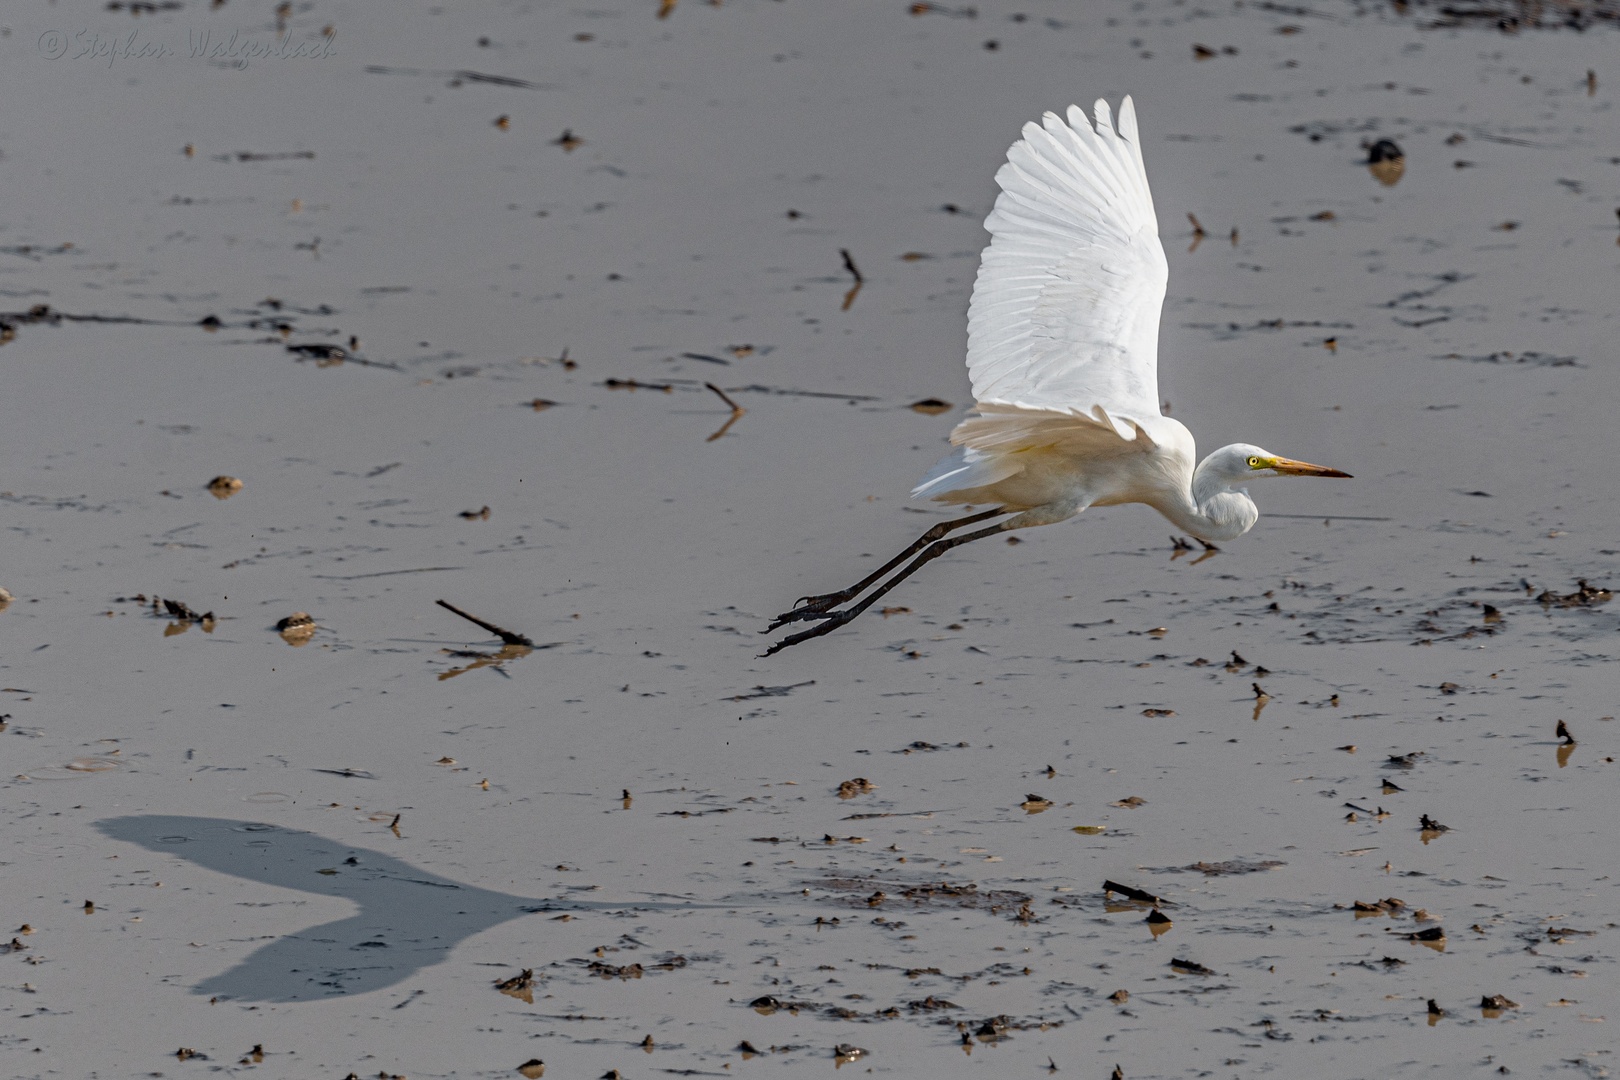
x,y
1065,311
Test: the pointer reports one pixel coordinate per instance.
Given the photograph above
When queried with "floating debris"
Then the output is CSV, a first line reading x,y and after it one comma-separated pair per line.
x,y
1583,596
930,406
858,786
520,986
932,1004
185,616
844,1053
297,629
324,355
737,411
1035,804
505,635
1388,906
223,487
1138,895
1386,161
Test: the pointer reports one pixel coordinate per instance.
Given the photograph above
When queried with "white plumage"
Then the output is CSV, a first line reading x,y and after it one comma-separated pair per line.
x,y
1065,313
1063,342
1063,329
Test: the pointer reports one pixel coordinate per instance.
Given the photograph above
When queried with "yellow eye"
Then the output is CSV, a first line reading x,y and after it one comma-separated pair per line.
x,y
1254,463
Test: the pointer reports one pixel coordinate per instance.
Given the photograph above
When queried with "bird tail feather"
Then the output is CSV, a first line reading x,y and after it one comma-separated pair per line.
x,y
964,468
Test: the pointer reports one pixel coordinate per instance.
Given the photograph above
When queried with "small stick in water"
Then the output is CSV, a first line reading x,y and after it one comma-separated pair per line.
x,y
505,635
849,264
736,411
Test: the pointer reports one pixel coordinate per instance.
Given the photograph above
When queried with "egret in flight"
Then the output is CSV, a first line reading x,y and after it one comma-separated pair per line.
x,y
1063,340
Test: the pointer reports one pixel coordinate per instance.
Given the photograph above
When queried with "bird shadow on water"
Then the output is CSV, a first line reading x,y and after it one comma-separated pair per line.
x,y
409,918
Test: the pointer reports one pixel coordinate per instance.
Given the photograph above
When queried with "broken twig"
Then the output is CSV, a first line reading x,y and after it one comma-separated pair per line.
x,y
736,411
505,635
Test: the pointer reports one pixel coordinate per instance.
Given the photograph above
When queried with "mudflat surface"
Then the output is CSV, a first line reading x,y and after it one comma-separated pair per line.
x,y
359,836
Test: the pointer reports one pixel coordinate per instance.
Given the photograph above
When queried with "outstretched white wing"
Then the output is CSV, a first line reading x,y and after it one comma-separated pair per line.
x,y
1065,312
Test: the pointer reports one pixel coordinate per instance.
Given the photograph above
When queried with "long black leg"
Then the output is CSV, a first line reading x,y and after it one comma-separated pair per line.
x,y
833,620
815,607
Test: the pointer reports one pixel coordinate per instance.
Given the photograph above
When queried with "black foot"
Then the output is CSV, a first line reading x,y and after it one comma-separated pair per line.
x,y
811,608
834,619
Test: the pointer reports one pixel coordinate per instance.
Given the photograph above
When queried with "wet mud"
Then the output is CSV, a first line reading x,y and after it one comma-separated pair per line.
x,y
614,330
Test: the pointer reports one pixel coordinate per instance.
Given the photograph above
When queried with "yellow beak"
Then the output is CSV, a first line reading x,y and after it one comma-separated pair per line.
x,y
1290,467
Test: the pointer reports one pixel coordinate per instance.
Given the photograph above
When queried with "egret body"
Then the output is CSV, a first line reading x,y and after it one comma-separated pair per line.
x,y
1063,341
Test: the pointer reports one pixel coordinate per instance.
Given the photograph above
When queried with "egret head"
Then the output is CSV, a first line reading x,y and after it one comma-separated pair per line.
x,y
1244,461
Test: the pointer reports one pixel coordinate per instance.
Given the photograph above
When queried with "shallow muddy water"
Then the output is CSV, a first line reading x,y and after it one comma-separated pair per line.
x,y
443,288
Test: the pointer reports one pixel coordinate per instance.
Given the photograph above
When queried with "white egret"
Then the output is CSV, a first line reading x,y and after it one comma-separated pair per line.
x,y
1063,339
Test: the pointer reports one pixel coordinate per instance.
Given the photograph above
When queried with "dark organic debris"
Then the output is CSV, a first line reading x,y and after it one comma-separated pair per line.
x,y
737,411
505,635
611,971
631,384
1388,906
178,610
1496,1003
1563,733
223,487
1428,824
1191,967
324,355
1583,596
456,77
1512,16
1386,161
523,980
771,691
1433,933
994,1028
1231,866
932,1003
1138,895
849,264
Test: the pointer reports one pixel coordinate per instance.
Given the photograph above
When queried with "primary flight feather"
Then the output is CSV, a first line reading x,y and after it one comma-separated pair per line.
x,y
1063,340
